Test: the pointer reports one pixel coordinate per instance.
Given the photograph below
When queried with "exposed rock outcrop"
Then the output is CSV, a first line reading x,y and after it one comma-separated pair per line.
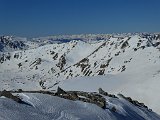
x,y
135,102
8,94
62,62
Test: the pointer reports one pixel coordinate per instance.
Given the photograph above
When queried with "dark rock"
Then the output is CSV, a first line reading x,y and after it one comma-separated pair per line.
x,y
117,53
111,95
135,102
142,47
56,56
60,91
36,67
8,94
52,52
36,62
95,64
113,109
135,49
103,65
20,90
41,83
84,60
124,45
101,91
16,55
19,65
156,44
138,44
101,72
62,62
123,68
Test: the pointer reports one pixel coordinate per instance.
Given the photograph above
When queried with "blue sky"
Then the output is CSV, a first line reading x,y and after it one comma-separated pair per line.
x,y
32,18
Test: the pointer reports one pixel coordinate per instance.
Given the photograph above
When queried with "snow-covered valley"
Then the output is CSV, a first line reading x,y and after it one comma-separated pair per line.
x,y
118,63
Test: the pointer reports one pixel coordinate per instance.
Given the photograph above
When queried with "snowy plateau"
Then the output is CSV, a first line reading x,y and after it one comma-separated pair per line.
x,y
126,65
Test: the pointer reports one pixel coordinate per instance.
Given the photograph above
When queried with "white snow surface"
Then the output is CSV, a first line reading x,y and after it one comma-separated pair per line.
x,y
132,69
46,107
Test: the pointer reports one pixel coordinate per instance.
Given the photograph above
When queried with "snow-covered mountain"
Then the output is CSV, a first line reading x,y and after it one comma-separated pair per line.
x,y
12,43
119,63
45,107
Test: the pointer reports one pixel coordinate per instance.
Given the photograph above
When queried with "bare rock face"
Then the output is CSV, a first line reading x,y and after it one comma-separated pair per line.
x,y
8,41
113,109
8,94
84,65
124,45
36,62
41,83
55,56
60,91
16,55
135,102
123,68
102,92
107,63
88,97
101,72
94,98
5,57
62,62
19,65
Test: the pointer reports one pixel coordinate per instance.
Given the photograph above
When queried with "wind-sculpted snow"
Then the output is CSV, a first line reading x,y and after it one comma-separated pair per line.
x,y
46,107
133,61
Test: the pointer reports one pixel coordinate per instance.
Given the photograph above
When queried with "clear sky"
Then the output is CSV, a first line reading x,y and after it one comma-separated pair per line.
x,y
32,18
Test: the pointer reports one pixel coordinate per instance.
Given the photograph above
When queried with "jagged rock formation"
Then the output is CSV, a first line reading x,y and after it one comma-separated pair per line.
x,y
135,102
10,43
8,94
38,106
89,97
82,96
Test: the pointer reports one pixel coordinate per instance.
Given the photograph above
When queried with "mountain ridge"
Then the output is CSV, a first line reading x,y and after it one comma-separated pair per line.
x,y
44,64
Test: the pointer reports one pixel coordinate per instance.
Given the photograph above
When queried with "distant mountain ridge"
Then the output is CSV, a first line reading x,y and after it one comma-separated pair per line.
x,y
13,43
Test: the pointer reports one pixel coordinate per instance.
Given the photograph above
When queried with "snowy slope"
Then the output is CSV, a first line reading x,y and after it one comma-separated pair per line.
x,y
45,107
128,63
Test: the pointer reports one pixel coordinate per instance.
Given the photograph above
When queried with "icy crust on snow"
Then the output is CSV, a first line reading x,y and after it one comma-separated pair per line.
x,y
46,107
